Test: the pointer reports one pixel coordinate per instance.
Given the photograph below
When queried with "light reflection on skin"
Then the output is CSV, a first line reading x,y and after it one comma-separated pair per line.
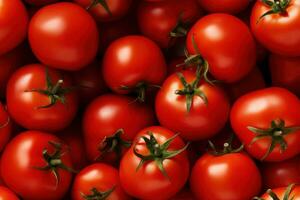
x,y
25,146
53,26
213,32
92,174
124,54
218,169
107,112
25,80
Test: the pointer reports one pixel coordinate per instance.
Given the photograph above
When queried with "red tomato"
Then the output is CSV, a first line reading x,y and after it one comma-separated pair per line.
x,y
99,181
106,10
281,174
105,117
40,2
220,39
5,127
13,23
284,193
224,6
267,122
30,162
51,109
155,166
63,35
285,24
187,112
132,63
285,72
163,21
214,177
7,194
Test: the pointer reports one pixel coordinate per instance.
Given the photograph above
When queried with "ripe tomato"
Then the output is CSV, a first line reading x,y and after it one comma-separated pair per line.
x,y
7,194
109,121
155,166
267,122
284,21
40,2
98,181
63,35
39,98
220,40
281,174
197,110
292,192
5,127
131,63
170,22
13,22
224,6
106,10
285,72
214,176
34,166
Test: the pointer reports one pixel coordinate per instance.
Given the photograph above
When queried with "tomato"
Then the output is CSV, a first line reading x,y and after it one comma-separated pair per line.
x,y
281,174
291,192
132,63
156,166
109,121
7,194
106,10
40,103
63,35
224,6
13,22
267,122
285,72
220,40
284,23
196,111
99,181
214,176
5,127
170,22
34,166
40,2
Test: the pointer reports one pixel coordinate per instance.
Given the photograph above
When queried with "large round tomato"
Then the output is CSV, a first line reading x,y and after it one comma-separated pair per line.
x,y
155,166
214,177
5,127
170,22
132,63
111,120
285,72
277,31
220,39
291,192
63,35
13,23
40,2
33,165
39,98
224,6
98,181
267,122
196,111
7,194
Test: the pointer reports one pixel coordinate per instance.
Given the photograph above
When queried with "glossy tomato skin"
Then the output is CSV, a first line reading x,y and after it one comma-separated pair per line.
x,y
281,174
285,72
280,192
131,60
7,194
215,177
40,2
118,9
63,35
203,121
224,6
13,22
221,40
109,113
284,42
257,109
23,178
23,106
100,176
148,181
158,25
5,127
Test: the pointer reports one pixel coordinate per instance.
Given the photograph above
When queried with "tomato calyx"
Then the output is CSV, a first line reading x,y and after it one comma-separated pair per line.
x,y
190,90
157,152
140,89
276,133
54,161
97,195
277,6
113,143
55,92
227,148
180,29
286,196
103,3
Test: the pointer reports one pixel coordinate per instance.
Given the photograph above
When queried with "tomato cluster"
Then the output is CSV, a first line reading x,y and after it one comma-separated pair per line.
x,y
149,99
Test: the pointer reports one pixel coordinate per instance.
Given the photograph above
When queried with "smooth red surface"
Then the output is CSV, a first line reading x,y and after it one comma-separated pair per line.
x,y
224,6
7,194
5,127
